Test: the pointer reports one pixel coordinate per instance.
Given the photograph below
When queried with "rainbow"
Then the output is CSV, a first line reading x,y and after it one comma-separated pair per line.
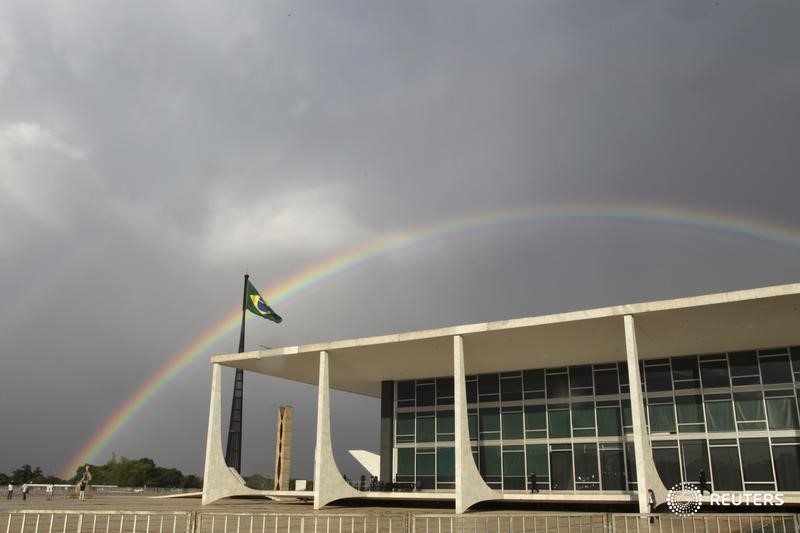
x,y
315,274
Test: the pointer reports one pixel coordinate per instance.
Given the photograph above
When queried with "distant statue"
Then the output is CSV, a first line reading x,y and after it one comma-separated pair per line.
x,y
80,487
87,476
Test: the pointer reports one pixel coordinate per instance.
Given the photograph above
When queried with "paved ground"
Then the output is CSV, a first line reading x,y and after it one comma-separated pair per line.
x,y
118,502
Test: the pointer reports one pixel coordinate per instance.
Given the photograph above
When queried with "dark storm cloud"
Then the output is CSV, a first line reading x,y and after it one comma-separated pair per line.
x,y
149,153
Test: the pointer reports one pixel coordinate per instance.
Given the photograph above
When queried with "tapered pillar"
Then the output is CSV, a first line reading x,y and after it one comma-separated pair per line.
x,y
470,487
328,482
218,480
283,448
646,474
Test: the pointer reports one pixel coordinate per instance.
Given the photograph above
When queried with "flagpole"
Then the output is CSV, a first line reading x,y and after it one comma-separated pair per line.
x,y
233,452
244,310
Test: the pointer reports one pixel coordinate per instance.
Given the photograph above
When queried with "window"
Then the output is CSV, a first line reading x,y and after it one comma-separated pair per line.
x,y
690,413
725,467
511,387
749,411
491,464
580,380
744,368
405,462
426,394
472,422
714,373
609,423
405,427
657,375
583,419
695,457
787,465
605,381
775,368
782,411
558,418
512,423
557,385
533,383
445,466
685,372
489,387
719,414
535,422
587,476
426,467
630,465
667,462
538,464
472,389
612,467
560,469
756,464
513,468
662,416
426,431
627,417
489,423
445,426
405,393
444,391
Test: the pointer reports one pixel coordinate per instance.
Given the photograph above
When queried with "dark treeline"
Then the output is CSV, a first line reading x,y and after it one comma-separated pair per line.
x,y
123,472
26,474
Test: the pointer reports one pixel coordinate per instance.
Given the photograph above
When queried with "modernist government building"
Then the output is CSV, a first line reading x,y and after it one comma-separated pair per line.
x,y
602,404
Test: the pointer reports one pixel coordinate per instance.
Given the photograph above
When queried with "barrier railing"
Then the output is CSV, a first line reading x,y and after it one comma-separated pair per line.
x,y
701,523
63,521
216,522
96,522
509,523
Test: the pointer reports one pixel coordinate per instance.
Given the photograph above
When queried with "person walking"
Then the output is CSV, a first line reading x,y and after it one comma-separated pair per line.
x,y
82,495
10,494
701,478
534,485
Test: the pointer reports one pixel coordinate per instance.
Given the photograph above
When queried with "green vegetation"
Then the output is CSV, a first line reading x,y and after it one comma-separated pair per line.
x,y
124,473
138,473
259,482
26,474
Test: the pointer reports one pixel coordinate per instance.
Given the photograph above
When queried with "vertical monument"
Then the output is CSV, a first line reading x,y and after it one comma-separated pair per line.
x,y
283,447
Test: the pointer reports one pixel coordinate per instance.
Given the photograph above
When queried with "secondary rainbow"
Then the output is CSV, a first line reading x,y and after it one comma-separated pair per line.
x,y
330,267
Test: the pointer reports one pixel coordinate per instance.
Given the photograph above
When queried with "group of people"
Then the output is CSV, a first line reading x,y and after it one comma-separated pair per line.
x,y
25,490
49,489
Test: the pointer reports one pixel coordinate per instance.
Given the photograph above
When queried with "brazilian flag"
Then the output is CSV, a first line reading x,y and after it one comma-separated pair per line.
x,y
257,305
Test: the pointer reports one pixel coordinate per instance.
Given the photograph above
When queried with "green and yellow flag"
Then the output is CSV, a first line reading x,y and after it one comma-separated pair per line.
x,y
257,305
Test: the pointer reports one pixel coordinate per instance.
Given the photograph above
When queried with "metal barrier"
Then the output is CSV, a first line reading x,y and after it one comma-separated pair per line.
x,y
31,521
509,523
97,522
702,523
300,523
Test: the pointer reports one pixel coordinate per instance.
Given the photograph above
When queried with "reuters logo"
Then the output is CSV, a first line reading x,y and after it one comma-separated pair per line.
x,y
684,499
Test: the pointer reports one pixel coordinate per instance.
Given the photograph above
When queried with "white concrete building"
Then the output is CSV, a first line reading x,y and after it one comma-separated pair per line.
x,y
469,412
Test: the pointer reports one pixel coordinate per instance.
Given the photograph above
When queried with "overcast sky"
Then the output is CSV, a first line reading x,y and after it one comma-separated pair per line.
x,y
150,152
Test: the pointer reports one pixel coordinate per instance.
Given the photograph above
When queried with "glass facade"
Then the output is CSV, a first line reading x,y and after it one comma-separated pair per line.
x,y
733,415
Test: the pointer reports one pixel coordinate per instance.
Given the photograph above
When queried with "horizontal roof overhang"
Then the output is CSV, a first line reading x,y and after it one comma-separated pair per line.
x,y
701,324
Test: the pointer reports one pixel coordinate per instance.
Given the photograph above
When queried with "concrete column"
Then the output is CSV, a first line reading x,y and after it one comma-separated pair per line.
x,y
218,480
283,448
387,429
646,474
470,487
328,482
